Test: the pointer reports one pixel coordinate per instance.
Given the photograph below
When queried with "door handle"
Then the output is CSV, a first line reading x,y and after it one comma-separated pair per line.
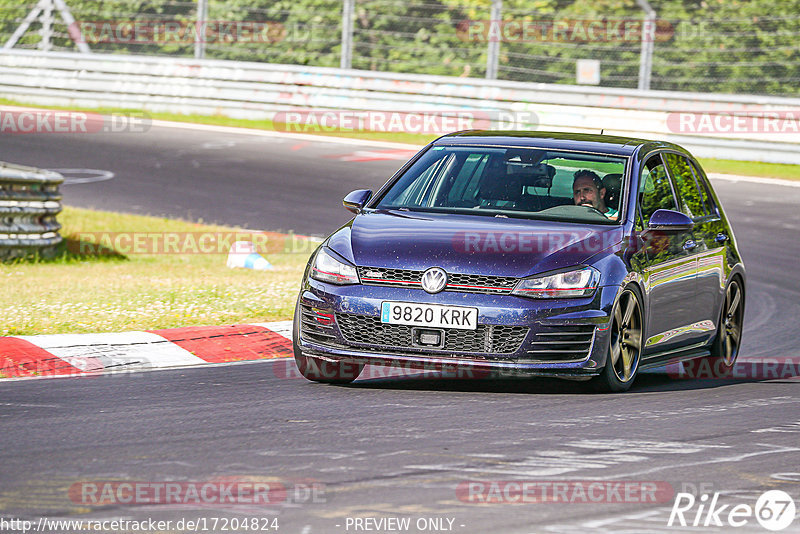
x,y
721,238
689,245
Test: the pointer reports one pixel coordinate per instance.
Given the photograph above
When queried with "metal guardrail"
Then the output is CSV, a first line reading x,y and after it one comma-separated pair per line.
x,y
259,91
29,202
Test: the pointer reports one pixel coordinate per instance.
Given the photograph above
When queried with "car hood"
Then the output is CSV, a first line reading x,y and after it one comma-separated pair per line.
x,y
468,244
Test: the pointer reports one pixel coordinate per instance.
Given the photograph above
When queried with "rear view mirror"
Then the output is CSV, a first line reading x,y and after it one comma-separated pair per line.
x,y
670,220
356,200
539,175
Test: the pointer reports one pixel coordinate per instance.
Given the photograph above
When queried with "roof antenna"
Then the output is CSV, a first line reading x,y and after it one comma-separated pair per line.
x,y
601,131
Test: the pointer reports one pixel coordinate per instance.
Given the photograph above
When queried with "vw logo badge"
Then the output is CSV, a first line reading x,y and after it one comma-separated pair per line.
x,y
434,280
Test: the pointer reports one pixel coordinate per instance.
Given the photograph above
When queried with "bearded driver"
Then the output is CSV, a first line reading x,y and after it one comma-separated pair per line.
x,y
588,190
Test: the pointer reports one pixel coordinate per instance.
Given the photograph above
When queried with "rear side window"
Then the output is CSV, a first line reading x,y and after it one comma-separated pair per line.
x,y
686,187
702,186
655,192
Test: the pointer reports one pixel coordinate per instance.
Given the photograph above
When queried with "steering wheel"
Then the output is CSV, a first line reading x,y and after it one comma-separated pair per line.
x,y
593,209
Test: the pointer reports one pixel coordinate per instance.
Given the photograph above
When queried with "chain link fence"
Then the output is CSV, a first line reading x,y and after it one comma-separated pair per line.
x,y
723,47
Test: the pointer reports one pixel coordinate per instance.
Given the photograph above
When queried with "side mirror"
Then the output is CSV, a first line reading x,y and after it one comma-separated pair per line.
x,y
670,221
355,200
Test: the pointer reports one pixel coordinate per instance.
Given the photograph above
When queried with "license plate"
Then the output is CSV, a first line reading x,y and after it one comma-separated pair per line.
x,y
432,315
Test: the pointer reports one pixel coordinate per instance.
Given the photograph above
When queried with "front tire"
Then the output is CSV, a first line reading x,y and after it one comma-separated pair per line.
x,y
318,370
625,345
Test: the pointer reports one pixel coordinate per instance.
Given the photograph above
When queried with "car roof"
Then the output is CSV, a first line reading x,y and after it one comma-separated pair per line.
x,y
605,144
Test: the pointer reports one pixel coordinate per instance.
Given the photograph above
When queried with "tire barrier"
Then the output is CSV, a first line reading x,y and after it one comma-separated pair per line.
x,y
29,203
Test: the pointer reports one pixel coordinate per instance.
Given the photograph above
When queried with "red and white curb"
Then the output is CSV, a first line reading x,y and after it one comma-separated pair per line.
x,y
64,355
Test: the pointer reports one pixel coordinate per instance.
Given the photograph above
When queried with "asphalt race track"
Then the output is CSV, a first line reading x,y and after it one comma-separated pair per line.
x,y
390,447
254,181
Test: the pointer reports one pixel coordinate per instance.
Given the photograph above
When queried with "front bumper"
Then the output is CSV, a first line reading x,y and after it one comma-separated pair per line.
x,y
552,337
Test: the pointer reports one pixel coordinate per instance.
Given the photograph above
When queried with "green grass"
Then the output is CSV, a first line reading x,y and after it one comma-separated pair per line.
x,y
751,168
117,289
724,166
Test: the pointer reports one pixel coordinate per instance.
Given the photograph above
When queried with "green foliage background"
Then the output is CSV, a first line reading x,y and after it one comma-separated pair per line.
x,y
731,46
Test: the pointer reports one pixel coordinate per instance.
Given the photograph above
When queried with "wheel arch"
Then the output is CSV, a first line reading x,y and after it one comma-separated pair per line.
x,y
733,275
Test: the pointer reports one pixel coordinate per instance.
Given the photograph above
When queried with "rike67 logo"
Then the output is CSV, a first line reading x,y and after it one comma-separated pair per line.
x,y
774,510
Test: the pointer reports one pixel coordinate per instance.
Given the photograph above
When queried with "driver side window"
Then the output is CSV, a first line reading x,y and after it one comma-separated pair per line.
x,y
655,192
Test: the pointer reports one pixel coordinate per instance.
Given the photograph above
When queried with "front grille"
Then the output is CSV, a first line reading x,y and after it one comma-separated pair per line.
x,y
477,283
466,283
396,277
487,339
561,343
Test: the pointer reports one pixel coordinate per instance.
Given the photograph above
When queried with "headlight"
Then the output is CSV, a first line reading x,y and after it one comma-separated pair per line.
x,y
577,283
328,269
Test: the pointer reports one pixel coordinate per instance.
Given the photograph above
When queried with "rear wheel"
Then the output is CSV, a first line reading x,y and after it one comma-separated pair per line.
x,y
625,347
725,348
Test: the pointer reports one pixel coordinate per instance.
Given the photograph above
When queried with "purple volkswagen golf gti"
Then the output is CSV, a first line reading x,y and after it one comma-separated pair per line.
x,y
584,257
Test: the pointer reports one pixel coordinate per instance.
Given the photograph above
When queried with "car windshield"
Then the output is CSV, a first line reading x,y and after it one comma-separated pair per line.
x,y
511,182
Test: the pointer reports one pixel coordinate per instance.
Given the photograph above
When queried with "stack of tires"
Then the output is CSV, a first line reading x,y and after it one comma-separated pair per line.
x,y
29,203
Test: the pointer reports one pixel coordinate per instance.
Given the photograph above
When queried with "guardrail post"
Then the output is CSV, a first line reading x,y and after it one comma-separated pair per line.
x,y
46,31
348,9
200,27
648,37
493,52
29,203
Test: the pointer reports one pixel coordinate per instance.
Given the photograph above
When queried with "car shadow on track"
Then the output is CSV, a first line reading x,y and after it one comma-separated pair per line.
x,y
650,382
